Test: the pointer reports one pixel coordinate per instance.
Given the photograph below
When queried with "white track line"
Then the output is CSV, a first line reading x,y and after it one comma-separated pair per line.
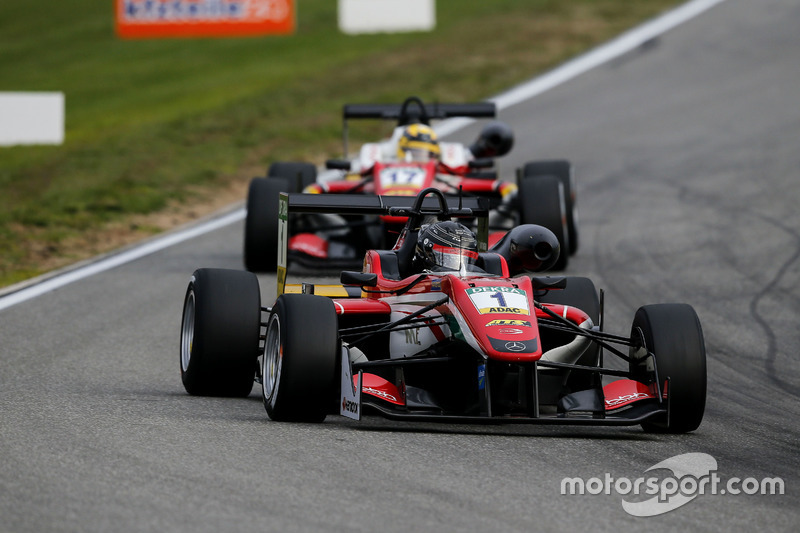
x,y
613,49
626,42
118,259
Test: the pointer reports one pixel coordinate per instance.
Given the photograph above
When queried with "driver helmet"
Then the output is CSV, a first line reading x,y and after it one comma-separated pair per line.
x,y
446,246
417,143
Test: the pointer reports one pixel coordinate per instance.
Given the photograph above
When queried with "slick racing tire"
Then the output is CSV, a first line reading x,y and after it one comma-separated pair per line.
x,y
220,333
541,201
298,175
563,170
581,293
261,224
299,370
673,334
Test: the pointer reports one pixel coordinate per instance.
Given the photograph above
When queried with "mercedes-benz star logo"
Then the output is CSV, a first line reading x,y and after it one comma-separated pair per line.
x,y
515,346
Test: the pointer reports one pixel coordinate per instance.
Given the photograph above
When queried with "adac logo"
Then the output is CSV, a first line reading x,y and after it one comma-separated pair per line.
x,y
510,310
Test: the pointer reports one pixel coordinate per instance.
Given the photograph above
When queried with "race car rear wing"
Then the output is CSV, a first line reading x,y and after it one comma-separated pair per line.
x,y
414,110
426,111
359,204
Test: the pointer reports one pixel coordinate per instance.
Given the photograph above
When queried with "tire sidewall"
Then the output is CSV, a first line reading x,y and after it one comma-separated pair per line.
x,y
308,347
564,171
261,224
673,333
542,202
225,329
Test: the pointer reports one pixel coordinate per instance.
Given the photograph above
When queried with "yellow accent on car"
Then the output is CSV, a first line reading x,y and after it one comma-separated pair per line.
x,y
331,291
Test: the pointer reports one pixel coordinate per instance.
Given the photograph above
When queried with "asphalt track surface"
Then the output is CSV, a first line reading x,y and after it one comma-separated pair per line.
x,y
687,158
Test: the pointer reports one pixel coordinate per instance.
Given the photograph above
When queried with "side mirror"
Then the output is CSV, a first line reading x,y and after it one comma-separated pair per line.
x,y
495,139
337,164
359,279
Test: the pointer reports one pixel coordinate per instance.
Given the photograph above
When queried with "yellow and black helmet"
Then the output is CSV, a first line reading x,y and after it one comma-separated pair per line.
x,y
418,143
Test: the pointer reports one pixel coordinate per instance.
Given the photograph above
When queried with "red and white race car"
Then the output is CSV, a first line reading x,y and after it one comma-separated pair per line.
x,y
411,160
441,328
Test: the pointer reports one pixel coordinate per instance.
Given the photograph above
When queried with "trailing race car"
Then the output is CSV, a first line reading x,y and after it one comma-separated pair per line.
x,y
411,160
440,328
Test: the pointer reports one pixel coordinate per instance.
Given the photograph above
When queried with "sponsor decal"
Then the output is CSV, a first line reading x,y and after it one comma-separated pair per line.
x,y
481,377
283,241
509,310
626,398
494,299
350,389
378,392
412,336
515,346
493,289
349,406
524,323
510,331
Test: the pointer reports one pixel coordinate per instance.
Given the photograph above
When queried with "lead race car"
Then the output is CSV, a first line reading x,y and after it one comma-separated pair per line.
x,y
441,328
412,159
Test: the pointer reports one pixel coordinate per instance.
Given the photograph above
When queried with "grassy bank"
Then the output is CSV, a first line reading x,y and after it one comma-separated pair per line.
x,y
157,128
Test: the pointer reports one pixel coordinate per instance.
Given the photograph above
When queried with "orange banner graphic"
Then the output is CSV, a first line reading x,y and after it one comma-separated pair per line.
x,y
203,18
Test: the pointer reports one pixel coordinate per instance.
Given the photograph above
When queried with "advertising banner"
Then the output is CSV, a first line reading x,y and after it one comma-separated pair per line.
x,y
203,18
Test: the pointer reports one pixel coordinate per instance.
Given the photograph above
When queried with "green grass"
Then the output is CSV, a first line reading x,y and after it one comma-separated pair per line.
x,y
151,124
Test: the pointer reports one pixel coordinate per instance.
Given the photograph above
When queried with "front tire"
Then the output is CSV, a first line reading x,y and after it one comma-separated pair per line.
x,y
299,371
673,334
220,333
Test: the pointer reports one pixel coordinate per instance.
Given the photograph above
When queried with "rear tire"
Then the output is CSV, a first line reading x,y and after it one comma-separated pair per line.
x,y
541,201
562,169
299,372
672,332
297,175
261,224
220,333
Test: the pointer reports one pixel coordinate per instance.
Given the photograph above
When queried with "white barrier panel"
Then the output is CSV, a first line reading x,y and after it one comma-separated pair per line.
x,y
31,118
386,16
